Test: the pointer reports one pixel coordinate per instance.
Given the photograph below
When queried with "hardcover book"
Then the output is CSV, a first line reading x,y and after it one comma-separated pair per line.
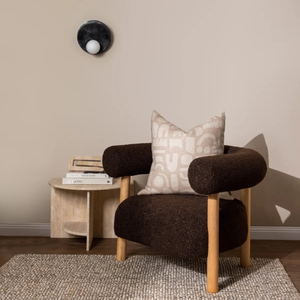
x,y
86,175
87,180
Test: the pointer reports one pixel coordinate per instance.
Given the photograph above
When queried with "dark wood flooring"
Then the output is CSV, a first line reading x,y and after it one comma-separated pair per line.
x,y
287,251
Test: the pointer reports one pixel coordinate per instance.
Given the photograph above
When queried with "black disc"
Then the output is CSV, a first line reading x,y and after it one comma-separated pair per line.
x,y
94,30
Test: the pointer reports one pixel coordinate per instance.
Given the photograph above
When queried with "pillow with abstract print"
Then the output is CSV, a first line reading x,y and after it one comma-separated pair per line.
x,y
174,149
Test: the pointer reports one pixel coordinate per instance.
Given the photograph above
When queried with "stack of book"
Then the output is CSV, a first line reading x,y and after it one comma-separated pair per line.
x,y
86,170
87,177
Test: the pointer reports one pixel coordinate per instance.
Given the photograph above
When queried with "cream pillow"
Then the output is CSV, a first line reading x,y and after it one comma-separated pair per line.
x,y
174,149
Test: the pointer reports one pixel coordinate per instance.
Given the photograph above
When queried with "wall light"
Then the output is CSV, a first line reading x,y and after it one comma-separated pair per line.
x,y
94,37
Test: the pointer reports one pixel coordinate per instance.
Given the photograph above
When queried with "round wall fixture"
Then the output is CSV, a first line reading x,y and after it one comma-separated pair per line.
x,y
94,37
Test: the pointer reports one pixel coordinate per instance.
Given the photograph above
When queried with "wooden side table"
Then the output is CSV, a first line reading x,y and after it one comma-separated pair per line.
x,y
84,210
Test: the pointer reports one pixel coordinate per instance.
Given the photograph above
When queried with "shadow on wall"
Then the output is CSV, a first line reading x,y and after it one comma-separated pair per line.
x,y
274,200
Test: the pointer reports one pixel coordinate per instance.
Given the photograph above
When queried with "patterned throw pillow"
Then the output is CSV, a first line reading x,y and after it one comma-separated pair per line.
x,y
174,149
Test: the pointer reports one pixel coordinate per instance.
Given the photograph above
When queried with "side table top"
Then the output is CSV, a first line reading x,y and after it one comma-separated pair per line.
x,y
57,183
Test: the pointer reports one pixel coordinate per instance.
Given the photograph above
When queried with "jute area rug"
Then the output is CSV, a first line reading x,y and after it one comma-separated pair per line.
x,y
139,277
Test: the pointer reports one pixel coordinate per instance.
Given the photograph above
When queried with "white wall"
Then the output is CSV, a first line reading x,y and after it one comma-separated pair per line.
x,y
189,60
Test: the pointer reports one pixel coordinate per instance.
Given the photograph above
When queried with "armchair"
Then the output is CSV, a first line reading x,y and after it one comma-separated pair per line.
x,y
186,225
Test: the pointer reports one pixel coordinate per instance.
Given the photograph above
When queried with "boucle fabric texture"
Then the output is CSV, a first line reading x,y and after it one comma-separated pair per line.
x,y
81,277
177,224
174,149
238,168
127,160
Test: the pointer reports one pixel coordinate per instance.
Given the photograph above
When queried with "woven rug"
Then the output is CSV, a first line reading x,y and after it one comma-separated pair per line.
x,y
139,277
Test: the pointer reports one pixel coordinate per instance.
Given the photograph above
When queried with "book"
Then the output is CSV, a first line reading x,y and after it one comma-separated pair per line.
x,y
87,180
86,175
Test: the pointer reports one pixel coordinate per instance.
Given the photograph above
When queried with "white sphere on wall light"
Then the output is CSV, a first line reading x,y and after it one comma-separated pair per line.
x,y
93,47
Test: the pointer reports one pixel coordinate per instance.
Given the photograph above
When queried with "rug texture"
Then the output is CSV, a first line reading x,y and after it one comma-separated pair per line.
x,y
139,277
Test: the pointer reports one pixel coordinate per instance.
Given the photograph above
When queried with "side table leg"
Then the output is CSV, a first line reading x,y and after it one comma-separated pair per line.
x,y
90,207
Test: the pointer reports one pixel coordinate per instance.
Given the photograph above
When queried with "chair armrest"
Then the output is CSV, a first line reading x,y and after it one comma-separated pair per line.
x,y
127,160
237,168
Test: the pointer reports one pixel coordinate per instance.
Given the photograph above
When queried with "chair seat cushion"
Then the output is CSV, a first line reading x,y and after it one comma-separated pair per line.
x,y
177,223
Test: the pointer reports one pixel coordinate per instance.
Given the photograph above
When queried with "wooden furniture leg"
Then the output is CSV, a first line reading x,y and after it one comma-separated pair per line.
x,y
213,243
90,213
124,193
245,248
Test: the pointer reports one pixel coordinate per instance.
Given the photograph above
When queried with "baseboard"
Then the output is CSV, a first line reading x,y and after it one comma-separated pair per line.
x,y
31,229
275,233
257,232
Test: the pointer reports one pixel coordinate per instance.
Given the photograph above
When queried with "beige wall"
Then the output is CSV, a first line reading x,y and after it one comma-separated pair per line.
x,y
188,60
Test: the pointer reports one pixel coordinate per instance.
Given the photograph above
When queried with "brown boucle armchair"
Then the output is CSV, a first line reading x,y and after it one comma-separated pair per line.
x,y
188,225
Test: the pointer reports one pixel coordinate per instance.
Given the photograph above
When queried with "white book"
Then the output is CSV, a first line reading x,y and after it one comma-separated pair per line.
x,y
86,175
87,180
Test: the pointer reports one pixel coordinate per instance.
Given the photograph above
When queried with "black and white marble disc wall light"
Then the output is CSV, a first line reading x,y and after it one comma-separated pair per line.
x,y
94,37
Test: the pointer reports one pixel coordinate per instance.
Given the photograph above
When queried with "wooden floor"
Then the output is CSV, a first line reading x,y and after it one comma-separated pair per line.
x,y
287,251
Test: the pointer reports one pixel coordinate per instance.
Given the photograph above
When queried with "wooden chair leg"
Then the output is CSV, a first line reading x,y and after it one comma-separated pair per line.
x,y
213,243
124,193
121,249
245,248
